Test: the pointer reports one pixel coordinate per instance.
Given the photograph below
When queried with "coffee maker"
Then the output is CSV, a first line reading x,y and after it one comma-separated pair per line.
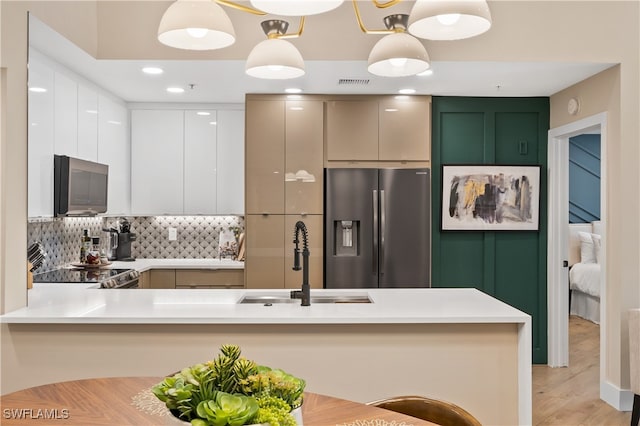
x,y
125,238
110,243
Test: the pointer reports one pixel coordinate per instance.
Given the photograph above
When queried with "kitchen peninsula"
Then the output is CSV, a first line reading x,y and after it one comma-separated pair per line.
x,y
459,345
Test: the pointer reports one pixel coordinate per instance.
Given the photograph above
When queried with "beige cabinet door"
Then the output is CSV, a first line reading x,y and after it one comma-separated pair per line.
x,y
405,129
352,130
304,138
143,280
209,278
264,266
293,279
264,157
162,278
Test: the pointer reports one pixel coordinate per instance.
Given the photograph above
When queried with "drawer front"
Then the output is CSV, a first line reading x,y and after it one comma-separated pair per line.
x,y
206,278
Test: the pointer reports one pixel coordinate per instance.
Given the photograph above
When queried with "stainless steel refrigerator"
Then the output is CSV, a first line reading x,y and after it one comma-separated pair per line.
x,y
377,228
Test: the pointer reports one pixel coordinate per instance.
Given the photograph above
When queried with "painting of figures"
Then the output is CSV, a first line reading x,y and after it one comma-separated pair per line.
x,y
490,198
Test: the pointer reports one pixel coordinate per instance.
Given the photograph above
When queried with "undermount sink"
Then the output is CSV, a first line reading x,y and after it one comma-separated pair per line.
x,y
273,299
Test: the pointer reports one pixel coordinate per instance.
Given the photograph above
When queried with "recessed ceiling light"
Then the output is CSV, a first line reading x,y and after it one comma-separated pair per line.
x,y
175,89
37,89
152,70
298,108
425,72
402,97
293,90
294,97
407,91
213,123
91,111
203,113
116,123
391,109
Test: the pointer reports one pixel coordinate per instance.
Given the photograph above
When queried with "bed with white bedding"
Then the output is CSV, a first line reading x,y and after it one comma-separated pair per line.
x,y
584,272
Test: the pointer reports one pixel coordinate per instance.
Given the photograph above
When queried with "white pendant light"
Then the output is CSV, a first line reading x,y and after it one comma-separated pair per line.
x,y
449,19
398,54
275,58
196,25
295,7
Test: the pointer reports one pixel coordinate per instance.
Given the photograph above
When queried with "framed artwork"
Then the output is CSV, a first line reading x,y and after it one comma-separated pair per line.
x,y
490,198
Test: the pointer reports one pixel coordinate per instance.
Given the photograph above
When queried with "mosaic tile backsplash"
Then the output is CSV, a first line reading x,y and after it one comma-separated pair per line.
x,y
197,236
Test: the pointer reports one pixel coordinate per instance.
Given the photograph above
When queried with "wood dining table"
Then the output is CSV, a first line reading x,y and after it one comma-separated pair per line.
x,y
124,401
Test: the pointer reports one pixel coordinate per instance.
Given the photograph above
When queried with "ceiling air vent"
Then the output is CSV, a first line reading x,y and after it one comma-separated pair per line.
x,y
353,81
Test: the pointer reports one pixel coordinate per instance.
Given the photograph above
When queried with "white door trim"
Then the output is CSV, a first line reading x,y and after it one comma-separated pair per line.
x,y
558,237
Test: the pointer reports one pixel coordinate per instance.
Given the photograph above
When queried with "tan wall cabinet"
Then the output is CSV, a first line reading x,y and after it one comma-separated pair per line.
x,y
293,279
284,183
162,278
265,251
209,278
304,130
380,128
404,130
264,157
352,130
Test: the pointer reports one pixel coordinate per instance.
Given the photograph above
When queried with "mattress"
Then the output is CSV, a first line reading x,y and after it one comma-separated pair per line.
x,y
585,277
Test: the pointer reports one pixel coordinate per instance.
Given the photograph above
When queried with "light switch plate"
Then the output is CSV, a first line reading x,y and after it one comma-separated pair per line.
x,y
173,234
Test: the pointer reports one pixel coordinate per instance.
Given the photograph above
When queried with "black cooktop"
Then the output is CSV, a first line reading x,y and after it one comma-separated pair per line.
x,y
77,275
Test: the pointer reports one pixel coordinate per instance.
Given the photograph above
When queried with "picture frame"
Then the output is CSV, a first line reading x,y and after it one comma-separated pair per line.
x,y
490,198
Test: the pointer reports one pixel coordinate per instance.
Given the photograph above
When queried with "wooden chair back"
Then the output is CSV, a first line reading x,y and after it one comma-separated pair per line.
x,y
440,412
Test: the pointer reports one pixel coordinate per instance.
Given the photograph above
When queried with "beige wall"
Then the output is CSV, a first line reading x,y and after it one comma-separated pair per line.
x,y
602,93
473,365
76,20
522,31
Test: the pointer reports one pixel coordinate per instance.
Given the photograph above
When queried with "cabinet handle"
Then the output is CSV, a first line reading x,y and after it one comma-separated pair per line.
x,y
303,214
265,213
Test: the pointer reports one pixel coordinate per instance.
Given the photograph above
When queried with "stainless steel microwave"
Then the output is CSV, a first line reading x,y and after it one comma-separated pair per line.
x,y
80,186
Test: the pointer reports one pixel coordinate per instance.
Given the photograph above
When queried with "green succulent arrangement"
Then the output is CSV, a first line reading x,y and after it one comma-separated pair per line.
x,y
231,391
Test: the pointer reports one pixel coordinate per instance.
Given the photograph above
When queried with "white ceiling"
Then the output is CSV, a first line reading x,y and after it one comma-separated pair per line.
x,y
224,81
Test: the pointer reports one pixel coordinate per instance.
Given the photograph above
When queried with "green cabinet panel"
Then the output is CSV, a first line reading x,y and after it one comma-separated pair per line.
x,y
508,265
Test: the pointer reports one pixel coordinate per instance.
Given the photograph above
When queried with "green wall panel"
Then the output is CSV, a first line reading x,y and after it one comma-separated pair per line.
x,y
508,265
464,264
464,133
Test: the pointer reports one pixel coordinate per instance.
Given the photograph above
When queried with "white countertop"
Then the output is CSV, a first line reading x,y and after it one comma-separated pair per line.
x,y
73,304
142,265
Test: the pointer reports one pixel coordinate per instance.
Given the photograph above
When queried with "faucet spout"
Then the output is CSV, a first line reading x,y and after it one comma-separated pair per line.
x,y
304,294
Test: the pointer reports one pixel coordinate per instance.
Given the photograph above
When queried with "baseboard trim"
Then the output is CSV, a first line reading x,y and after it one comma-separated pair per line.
x,y
620,399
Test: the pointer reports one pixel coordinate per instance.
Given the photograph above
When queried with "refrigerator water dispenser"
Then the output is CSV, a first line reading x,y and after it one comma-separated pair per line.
x,y
346,237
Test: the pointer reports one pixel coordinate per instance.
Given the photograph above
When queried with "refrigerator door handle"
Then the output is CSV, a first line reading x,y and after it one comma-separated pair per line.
x,y
374,261
383,223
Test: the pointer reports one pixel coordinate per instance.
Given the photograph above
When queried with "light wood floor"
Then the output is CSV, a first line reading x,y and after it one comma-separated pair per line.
x,y
570,396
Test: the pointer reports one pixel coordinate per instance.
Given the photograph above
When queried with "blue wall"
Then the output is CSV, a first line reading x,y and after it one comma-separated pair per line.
x,y
584,178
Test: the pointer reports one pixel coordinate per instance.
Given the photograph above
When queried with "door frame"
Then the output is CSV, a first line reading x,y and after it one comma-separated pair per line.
x,y
558,238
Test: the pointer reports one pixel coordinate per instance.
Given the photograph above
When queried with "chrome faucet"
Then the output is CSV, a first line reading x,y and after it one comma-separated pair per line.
x,y
304,294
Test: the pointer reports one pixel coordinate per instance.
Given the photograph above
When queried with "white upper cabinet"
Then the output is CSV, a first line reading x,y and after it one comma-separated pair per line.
x,y
230,181
113,150
200,160
157,162
87,123
187,162
65,116
69,115
40,136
